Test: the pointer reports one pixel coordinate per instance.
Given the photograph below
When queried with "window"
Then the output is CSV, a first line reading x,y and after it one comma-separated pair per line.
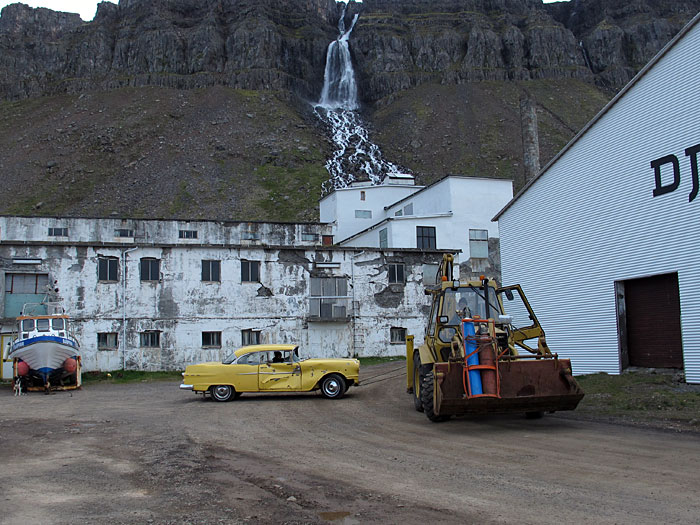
x,y
329,298
123,232
250,271
383,238
150,339
211,339
425,237
188,234
398,335
396,273
26,283
362,195
150,269
309,237
107,341
211,271
408,209
363,214
398,213
58,232
107,269
250,236
430,274
479,244
327,240
250,337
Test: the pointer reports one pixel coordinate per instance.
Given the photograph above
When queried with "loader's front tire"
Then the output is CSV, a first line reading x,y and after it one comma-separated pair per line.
x,y
417,380
426,395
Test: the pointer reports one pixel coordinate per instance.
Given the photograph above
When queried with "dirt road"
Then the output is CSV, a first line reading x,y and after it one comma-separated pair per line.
x,y
149,453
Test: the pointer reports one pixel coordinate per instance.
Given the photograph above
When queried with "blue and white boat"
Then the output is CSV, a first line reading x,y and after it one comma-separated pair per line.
x,y
45,352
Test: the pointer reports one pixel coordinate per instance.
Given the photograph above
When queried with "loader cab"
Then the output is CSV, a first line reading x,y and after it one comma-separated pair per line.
x,y
453,302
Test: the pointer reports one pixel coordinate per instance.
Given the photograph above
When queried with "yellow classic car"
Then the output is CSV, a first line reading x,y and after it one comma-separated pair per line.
x,y
270,368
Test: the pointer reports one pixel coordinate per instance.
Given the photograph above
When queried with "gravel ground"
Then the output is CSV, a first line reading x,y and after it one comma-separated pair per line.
x,y
150,453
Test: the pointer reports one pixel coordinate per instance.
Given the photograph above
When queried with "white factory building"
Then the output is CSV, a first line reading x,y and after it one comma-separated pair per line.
x,y
453,213
157,294
606,239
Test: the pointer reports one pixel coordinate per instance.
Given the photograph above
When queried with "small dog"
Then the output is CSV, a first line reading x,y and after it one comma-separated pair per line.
x,y
19,384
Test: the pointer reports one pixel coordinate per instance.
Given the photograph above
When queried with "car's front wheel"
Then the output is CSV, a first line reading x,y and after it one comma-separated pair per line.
x,y
222,393
333,386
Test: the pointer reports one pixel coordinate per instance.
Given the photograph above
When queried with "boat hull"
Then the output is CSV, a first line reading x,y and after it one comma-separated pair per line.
x,y
45,353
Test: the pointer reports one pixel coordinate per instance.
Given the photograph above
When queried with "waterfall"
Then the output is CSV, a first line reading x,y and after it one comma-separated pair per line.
x,y
339,88
355,156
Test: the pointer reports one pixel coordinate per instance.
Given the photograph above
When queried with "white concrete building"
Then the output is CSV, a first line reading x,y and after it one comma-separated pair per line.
x,y
605,239
153,294
453,213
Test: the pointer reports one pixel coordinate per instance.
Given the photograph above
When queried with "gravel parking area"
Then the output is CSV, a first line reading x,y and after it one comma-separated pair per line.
x,y
150,453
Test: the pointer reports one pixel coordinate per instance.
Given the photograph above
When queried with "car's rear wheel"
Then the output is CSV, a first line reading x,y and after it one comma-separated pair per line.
x,y
222,393
333,386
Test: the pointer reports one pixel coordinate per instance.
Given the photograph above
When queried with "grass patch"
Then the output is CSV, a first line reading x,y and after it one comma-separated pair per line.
x,y
130,376
641,396
366,361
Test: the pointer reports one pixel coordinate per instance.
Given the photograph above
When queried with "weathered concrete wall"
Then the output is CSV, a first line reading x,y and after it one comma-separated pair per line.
x,y
181,306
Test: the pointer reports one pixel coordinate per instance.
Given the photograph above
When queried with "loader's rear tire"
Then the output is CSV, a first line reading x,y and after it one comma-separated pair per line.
x,y
417,380
426,395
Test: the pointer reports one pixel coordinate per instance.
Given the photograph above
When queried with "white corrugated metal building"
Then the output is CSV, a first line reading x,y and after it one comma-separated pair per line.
x,y
606,239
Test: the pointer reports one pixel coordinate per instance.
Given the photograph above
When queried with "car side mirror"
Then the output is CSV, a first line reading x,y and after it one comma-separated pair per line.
x,y
509,294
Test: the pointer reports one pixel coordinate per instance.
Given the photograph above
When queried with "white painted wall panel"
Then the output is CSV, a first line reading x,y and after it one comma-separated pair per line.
x,y
591,218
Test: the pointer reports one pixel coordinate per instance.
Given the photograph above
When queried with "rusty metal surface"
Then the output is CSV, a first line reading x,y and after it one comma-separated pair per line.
x,y
525,386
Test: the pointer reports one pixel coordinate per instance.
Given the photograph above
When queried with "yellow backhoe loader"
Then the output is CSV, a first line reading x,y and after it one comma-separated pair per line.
x,y
485,352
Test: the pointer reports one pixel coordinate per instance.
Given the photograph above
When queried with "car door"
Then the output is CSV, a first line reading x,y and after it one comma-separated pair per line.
x,y
244,374
285,376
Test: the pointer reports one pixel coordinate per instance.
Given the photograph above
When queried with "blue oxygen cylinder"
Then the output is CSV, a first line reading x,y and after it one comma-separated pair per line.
x,y
469,347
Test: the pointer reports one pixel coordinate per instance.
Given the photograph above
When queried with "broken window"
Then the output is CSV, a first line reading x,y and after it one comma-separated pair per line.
x,y
397,335
211,339
107,268
250,236
327,240
383,238
250,337
250,271
329,298
309,237
149,339
123,232
188,234
425,237
26,283
396,273
211,271
107,341
58,232
479,244
150,269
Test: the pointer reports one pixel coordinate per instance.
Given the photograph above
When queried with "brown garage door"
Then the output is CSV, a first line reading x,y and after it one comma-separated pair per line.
x,y
654,322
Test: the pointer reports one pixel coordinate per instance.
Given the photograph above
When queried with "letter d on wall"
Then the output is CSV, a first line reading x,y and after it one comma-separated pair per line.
x,y
656,165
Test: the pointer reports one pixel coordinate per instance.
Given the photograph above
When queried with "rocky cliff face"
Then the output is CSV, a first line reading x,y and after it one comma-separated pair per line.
x,y
251,44
400,44
281,44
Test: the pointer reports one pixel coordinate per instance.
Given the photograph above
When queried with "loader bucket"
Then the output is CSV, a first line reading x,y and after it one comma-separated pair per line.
x,y
544,384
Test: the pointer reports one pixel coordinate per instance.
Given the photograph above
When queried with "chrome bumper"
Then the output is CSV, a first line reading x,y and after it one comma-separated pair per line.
x,y
186,387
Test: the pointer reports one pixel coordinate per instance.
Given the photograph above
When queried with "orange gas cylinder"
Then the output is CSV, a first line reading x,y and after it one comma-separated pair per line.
x,y
487,357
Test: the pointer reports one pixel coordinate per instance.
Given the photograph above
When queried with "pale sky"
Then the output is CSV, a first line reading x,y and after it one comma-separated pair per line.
x,y
85,8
